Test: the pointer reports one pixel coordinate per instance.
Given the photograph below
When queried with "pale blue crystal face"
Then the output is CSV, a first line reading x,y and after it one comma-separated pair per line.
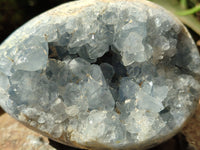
x,y
115,75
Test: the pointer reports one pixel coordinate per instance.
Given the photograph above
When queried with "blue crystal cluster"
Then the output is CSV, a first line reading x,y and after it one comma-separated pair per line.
x,y
103,75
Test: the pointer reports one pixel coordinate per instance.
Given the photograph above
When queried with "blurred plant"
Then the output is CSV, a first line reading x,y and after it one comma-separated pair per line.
x,y
183,4
190,11
194,10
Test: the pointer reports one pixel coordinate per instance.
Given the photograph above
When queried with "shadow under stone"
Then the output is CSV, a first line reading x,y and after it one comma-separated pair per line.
x,y
1,111
59,146
178,142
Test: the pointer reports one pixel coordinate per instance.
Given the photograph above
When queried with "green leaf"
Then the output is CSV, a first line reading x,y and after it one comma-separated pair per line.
x,y
190,11
174,7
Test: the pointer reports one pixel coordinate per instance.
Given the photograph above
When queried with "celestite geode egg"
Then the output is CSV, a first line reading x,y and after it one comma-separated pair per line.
x,y
101,74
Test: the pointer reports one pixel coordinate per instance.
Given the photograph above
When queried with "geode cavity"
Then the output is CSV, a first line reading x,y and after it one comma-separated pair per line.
x,y
101,74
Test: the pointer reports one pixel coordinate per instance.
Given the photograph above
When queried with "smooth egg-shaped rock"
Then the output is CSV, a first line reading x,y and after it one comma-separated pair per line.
x,y
101,74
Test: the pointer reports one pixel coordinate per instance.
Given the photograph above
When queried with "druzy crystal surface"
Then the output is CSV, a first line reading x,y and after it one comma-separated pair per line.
x,y
101,74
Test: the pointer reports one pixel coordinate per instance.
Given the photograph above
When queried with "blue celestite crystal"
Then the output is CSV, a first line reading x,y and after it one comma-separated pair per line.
x,y
101,74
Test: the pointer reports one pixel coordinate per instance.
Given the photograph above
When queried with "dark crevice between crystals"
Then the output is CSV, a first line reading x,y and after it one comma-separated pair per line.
x,y
112,57
59,52
106,58
53,52
165,115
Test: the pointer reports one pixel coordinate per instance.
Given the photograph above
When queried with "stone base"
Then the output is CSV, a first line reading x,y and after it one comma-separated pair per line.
x,y
15,136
